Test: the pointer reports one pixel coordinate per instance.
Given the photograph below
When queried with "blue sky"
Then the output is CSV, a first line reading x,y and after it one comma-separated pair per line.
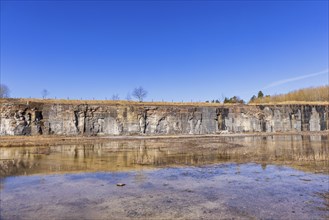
x,y
176,50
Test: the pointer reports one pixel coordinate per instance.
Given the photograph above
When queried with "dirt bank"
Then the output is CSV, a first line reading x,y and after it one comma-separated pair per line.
x,y
42,140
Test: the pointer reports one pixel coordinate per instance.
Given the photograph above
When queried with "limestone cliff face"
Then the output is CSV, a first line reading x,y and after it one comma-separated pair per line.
x,y
35,118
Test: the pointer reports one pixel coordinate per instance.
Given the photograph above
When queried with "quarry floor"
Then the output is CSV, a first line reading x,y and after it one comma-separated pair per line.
x,y
42,140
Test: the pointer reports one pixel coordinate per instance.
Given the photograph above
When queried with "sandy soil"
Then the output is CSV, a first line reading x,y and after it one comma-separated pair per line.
x,y
14,141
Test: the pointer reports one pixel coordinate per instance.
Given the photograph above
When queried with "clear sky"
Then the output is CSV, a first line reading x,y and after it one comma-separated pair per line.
x,y
176,50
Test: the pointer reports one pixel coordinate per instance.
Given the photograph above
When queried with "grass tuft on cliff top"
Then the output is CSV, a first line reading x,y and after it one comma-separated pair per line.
x,y
106,102
313,95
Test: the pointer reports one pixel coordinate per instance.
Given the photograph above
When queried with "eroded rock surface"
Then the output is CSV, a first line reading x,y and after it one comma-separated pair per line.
x,y
85,119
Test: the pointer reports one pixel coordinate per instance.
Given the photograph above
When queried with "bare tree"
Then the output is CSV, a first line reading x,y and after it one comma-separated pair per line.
x,y
44,93
115,96
139,93
4,91
128,97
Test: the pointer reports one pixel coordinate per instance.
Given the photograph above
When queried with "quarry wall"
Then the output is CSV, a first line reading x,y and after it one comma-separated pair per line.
x,y
37,118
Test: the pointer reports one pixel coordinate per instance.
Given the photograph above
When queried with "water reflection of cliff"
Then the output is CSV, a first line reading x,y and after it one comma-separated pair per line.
x,y
309,153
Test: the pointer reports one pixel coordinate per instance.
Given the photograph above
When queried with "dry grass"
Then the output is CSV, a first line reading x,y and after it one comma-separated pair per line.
x,y
314,96
317,96
134,103
109,102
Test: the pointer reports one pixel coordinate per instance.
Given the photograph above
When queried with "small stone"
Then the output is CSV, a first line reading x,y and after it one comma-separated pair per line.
x,y
121,184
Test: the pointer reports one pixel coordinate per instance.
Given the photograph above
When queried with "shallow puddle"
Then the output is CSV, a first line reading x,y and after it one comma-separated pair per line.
x,y
273,177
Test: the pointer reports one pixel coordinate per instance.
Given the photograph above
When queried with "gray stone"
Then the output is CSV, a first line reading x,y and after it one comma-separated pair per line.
x,y
68,119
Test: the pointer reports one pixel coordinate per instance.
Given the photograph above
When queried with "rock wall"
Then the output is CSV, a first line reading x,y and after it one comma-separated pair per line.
x,y
36,118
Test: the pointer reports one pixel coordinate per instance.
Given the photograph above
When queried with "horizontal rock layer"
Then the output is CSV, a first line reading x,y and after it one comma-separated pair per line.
x,y
35,118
